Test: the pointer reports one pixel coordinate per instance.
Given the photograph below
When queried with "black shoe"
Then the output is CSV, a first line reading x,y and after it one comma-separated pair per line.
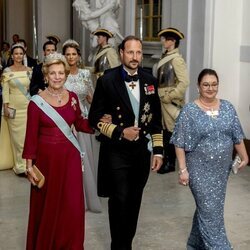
x,y
166,169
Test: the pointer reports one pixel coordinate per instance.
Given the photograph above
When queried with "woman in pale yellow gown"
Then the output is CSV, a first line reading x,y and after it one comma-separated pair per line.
x,y
15,83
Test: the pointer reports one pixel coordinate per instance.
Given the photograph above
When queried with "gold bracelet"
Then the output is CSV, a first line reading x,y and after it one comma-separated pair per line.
x,y
181,171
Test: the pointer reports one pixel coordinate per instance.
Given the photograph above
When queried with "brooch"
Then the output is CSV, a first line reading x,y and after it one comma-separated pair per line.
x,y
146,116
73,103
146,107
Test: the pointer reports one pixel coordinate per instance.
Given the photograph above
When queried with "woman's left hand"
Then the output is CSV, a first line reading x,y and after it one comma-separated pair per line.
x,y
184,178
31,176
243,164
106,118
89,98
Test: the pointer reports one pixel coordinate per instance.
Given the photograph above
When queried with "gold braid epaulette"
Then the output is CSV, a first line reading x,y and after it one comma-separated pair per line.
x,y
157,140
106,128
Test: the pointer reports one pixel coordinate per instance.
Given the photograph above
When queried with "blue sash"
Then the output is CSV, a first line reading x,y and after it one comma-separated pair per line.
x,y
135,104
58,120
20,86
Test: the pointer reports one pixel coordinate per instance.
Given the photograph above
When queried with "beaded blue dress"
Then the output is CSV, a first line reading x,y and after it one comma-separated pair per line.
x,y
208,143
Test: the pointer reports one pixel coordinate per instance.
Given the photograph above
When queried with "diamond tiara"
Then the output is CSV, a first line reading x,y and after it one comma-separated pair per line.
x,y
70,41
55,57
17,45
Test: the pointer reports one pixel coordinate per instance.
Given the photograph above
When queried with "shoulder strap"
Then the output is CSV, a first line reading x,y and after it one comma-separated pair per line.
x,y
58,120
104,51
166,59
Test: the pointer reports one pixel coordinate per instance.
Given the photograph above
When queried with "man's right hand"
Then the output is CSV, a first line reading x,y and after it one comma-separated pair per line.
x,y
131,133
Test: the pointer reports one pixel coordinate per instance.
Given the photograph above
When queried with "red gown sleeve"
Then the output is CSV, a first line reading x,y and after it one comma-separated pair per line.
x,y
32,132
81,123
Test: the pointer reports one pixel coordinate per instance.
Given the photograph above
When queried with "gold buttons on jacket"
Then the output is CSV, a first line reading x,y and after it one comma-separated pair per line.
x,y
121,124
119,116
118,108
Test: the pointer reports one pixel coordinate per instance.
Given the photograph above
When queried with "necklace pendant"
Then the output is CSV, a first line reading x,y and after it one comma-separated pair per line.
x,y
212,113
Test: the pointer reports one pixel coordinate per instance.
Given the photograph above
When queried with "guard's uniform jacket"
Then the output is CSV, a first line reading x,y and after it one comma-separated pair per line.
x,y
105,58
173,81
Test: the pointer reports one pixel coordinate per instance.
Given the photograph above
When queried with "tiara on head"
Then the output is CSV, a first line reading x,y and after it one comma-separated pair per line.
x,y
70,41
17,45
54,57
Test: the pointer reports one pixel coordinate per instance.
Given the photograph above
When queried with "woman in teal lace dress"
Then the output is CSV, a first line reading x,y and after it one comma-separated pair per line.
x,y
206,132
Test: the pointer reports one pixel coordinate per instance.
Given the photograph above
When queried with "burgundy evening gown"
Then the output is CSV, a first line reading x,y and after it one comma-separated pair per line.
x,y
56,217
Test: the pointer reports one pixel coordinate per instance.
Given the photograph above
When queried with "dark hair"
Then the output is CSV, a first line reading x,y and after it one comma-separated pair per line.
x,y
22,41
177,42
17,47
128,38
71,45
4,42
207,72
171,37
103,34
49,43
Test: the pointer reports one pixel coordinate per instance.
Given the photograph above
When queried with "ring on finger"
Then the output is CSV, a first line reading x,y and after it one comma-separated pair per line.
x,y
136,138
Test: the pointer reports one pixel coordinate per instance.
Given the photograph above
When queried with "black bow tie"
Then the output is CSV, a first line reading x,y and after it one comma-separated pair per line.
x,y
129,78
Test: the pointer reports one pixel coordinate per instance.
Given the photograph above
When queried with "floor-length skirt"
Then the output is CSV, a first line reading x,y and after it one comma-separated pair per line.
x,y
56,219
13,134
6,159
89,145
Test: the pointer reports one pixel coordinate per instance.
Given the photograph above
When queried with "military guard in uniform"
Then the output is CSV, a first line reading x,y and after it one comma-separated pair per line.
x,y
129,95
173,81
106,56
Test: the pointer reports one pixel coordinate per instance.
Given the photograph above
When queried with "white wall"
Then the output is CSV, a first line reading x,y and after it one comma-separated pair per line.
x,y
231,19
244,93
226,47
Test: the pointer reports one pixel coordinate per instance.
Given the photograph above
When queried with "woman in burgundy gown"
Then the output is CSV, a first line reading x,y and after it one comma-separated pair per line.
x,y
56,218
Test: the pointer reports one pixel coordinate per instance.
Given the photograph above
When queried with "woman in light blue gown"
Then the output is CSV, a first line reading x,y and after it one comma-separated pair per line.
x,y
206,132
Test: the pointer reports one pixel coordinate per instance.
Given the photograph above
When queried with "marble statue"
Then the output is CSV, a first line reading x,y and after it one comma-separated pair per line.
x,y
103,16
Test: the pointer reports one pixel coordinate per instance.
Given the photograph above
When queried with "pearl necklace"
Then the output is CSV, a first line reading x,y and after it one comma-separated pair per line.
x,y
58,96
210,111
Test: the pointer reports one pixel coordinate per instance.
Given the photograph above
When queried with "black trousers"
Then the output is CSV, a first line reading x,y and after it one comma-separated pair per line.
x,y
169,149
129,171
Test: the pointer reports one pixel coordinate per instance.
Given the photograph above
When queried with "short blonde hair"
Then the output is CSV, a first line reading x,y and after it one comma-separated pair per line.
x,y
46,65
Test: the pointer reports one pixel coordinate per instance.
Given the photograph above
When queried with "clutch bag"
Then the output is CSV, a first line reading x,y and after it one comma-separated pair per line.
x,y
12,112
236,163
40,177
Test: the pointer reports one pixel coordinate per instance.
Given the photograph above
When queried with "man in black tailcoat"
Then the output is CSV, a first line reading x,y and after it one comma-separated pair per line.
x,y
37,82
129,95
